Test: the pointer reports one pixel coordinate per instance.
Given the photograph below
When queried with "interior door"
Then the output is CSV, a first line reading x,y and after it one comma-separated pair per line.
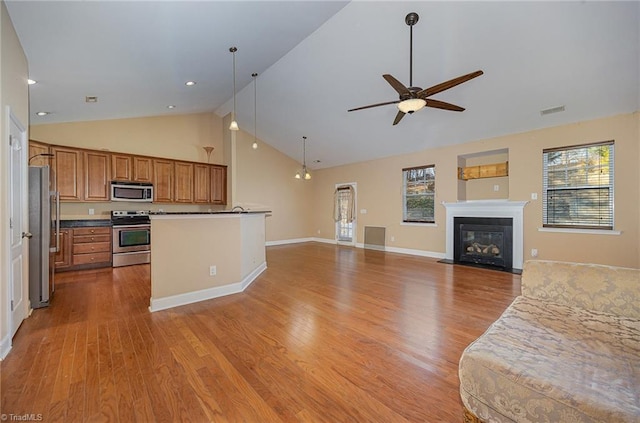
x,y
17,223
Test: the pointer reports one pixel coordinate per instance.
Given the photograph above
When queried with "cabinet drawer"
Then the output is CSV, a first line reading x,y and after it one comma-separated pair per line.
x,y
91,258
95,247
92,231
90,238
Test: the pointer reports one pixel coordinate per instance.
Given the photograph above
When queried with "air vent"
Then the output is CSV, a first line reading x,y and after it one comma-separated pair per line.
x,y
551,110
91,99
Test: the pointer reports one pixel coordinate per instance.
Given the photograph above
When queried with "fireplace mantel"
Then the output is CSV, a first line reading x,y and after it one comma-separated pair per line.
x,y
489,208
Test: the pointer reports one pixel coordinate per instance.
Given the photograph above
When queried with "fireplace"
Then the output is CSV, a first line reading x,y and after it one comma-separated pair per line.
x,y
506,209
484,241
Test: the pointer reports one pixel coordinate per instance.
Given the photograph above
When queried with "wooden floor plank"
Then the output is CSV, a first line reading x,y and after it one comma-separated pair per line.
x,y
325,334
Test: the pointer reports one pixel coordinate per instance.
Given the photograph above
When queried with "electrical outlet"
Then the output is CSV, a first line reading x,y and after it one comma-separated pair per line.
x,y
496,188
393,238
363,211
92,211
534,195
534,252
212,270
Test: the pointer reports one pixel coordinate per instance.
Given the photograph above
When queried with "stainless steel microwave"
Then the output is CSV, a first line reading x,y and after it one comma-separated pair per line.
x,y
131,191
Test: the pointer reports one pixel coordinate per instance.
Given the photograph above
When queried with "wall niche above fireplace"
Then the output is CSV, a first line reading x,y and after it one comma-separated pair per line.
x,y
484,188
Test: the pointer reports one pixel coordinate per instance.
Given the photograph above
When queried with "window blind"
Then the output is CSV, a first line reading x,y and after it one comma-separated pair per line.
x,y
578,186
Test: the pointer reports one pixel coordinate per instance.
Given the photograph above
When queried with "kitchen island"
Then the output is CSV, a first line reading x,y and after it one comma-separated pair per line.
x,y
196,256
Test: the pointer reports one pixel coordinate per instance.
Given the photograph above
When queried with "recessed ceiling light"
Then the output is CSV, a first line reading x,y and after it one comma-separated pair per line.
x,y
171,106
91,99
316,161
42,113
190,83
31,81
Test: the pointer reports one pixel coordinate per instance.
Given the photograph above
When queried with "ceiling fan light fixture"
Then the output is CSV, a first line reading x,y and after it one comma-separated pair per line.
x,y
411,105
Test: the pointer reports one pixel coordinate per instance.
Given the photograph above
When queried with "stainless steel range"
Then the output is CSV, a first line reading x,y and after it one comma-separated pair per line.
x,y
131,237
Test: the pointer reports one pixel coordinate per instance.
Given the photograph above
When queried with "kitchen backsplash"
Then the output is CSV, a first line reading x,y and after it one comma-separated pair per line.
x,y
102,210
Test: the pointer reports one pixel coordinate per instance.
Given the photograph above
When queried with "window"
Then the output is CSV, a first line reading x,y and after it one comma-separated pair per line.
x,y
418,194
578,186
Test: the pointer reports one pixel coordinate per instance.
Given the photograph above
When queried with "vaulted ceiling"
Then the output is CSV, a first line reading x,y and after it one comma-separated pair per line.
x,y
316,60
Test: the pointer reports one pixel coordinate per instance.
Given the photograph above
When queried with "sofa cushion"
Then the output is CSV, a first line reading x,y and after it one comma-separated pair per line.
x,y
548,362
598,287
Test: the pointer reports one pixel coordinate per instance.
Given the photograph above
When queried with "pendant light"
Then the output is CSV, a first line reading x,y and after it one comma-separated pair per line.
x,y
304,173
234,124
255,111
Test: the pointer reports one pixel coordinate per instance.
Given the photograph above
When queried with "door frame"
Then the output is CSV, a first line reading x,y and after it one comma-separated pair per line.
x,y
354,227
7,313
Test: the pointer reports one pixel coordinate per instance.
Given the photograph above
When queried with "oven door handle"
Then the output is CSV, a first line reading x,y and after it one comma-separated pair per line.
x,y
143,226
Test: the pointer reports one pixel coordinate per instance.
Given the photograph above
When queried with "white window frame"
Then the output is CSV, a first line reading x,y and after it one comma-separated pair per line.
x,y
547,191
432,194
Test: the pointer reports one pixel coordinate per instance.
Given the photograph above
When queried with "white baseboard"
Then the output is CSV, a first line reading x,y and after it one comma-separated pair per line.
x,y
5,346
287,241
409,251
206,294
413,252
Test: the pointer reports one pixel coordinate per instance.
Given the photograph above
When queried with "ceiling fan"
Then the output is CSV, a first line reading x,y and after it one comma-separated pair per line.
x,y
413,98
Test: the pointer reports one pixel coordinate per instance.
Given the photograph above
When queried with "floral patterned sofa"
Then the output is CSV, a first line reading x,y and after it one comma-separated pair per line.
x,y
566,350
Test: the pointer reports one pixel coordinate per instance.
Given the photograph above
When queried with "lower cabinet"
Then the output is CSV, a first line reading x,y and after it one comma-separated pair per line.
x,y
89,247
63,256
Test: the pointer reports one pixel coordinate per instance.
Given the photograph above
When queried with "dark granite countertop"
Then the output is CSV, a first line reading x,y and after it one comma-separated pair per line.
x,y
83,223
155,213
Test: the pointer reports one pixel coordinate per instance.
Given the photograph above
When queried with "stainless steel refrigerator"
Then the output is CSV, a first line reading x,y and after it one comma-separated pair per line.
x,y
44,226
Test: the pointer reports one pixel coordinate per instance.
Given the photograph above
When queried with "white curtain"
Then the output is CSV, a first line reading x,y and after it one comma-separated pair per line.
x,y
344,205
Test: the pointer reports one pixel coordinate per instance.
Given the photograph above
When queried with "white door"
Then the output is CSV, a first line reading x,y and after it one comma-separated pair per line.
x,y
17,224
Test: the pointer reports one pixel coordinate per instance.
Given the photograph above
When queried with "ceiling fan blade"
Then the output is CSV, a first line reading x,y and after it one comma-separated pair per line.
x,y
399,117
442,105
427,92
374,105
397,85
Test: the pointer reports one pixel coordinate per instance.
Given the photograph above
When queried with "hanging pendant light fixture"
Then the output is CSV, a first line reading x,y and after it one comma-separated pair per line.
x,y
304,173
234,124
255,111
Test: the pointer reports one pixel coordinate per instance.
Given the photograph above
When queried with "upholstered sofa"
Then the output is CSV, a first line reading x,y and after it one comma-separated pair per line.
x,y
566,350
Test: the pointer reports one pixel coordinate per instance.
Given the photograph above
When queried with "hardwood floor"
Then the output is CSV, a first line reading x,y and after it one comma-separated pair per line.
x,y
325,334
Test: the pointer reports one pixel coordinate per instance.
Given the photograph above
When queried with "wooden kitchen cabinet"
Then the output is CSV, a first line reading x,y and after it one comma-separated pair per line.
x,y
142,169
91,247
68,172
218,184
201,183
121,167
183,191
62,259
97,176
163,176
36,148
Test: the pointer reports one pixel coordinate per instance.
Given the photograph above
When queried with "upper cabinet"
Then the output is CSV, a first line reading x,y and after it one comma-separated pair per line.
x,y
218,185
201,184
85,175
184,182
163,175
142,169
97,176
36,150
68,172
121,167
